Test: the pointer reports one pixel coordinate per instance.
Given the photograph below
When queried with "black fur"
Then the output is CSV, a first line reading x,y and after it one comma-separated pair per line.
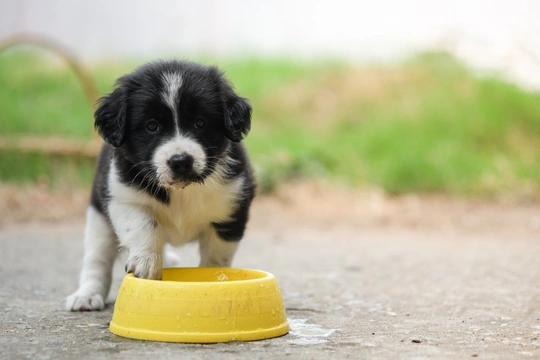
x,y
100,188
111,117
121,119
234,230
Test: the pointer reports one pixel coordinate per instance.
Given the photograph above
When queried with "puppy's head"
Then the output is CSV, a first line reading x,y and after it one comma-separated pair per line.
x,y
174,120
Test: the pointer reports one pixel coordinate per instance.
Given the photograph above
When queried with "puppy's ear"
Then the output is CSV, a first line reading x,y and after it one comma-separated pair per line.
x,y
110,117
237,117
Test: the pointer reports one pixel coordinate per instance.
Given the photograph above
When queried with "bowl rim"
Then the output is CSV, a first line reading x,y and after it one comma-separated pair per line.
x,y
264,276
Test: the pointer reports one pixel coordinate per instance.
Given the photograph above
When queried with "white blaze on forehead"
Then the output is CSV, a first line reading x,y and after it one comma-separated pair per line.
x,y
172,82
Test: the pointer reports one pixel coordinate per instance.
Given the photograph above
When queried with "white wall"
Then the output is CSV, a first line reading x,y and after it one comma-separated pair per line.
x,y
500,34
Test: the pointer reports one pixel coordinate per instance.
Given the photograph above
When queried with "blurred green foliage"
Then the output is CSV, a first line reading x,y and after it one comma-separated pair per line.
x,y
426,124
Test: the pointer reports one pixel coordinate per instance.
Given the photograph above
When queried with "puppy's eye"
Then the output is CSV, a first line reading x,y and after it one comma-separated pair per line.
x,y
199,123
152,125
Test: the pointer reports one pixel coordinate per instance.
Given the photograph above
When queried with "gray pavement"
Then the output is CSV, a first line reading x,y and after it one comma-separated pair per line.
x,y
351,291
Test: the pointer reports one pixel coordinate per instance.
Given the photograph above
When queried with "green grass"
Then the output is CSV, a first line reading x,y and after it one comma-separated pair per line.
x,y
57,172
422,125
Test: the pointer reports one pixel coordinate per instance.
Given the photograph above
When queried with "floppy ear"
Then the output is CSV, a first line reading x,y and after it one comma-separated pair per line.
x,y
110,117
237,117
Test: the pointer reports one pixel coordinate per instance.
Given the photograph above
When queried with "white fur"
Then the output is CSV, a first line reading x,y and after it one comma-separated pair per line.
x,y
170,257
173,82
100,249
178,145
214,251
142,224
188,217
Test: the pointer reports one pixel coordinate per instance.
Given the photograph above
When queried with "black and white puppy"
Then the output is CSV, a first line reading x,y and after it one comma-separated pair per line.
x,y
172,170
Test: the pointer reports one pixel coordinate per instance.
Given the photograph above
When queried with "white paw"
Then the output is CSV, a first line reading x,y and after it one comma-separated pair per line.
x,y
82,301
145,267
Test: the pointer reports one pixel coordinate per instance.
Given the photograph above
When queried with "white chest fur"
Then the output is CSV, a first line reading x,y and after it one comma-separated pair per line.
x,y
189,212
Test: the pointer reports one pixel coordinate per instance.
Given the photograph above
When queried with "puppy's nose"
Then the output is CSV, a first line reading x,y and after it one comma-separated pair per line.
x,y
180,163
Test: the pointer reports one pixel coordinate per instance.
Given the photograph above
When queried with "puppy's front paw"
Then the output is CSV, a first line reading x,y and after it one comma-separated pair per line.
x,y
145,267
84,301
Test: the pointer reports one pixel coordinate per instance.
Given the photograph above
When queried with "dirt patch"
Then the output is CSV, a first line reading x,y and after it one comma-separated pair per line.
x,y
39,203
317,203
324,203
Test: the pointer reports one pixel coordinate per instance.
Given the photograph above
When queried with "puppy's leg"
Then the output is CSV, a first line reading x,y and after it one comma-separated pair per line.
x,y
219,242
170,257
100,250
215,251
139,232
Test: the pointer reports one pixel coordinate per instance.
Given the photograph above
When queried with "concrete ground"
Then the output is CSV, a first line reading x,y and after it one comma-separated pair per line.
x,y
452,280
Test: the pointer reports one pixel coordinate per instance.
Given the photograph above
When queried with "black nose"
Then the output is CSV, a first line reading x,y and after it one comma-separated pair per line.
x,y
181,163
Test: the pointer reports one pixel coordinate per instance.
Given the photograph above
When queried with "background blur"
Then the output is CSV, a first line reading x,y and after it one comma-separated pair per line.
x,y
403,96
496,34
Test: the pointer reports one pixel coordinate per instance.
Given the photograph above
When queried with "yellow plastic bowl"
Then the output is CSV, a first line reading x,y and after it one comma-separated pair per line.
x,y
200,305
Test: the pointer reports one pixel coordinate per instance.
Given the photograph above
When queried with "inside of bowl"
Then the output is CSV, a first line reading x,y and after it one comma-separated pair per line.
x,y
211,274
